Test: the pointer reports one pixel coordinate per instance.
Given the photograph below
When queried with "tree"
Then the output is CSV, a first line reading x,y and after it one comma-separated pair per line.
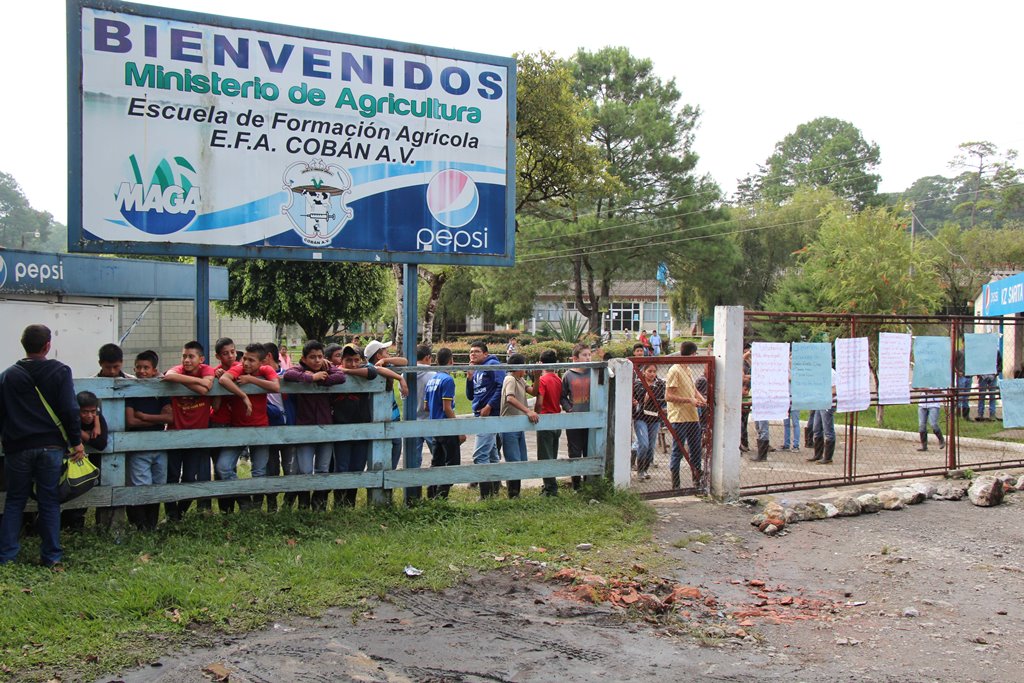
x,y
966,259
826,152
21,226
988,189
315,296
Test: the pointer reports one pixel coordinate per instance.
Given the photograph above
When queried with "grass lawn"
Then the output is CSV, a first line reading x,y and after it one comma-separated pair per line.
x,y
904,418
125,601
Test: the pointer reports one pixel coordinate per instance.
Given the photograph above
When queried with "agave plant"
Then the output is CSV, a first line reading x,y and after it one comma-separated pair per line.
x,y
569,329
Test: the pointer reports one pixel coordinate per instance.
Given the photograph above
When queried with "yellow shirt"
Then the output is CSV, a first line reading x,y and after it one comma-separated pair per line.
x,y
679,379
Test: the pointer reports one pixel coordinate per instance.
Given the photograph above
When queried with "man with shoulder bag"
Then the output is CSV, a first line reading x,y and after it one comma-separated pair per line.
x,y
39,423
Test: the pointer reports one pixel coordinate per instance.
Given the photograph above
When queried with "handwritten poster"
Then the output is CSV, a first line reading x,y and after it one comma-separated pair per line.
x,y
893,368
931,362
811,376
769,381
853,377
1012,392
980,351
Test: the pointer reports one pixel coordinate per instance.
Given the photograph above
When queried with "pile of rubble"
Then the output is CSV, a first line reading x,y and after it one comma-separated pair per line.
x,y
984,491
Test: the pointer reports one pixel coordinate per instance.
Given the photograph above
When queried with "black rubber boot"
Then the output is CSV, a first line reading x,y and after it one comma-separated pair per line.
x,y
514,487
819,447
924,441
965,413
809,436
830,449
762,451
938,434
675,479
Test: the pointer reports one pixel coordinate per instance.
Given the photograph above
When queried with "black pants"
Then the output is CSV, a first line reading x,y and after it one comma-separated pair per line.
x,y
446,453
577,440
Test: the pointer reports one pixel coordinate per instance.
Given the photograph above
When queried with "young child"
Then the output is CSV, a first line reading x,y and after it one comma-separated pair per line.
x,y
513,402
576,399
94,436
314,409
111,359
190,412
223,469
249,411
439,400
280,411
149,414
352,408
549,397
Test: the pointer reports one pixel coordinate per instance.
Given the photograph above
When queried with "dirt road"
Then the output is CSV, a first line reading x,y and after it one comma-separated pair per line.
x,y
931,593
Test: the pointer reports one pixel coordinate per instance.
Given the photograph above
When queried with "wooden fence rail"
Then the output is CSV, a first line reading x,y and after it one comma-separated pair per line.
x,y
379,478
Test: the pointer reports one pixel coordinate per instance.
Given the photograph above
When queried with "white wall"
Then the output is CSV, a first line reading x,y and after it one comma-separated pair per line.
x,y
79,328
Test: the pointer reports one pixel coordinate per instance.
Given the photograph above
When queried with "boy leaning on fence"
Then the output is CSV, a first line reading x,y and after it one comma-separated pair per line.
x,y
314,409
225,460
513,402
94,435
352,408
576,399
147,414
190,412
439,400
249,410
549,398
280,412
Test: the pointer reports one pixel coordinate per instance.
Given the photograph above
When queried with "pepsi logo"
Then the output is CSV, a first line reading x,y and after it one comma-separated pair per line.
x,y
452,198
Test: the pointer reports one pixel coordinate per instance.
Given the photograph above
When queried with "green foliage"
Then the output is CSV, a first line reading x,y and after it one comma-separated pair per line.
x,y
314,296
119,604
562,348
501,337
825,153
554,163
966,259
21,226
570,329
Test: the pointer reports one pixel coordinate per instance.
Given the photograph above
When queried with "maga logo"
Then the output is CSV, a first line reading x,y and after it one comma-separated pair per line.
x,y
168,204
320,213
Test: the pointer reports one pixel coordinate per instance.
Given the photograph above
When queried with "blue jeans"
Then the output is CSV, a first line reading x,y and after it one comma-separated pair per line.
x,y
351,456
147,468
42,467
791,423
691,433
762,429
396,453
314,457
514,446
964,384
646,438
486,449
927,415
825,424
986,385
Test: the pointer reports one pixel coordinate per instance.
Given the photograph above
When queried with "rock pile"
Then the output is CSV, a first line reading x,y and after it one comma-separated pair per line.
x,y
984,491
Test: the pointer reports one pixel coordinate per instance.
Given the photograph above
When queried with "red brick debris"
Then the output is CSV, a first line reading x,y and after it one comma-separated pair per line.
x,y
658,596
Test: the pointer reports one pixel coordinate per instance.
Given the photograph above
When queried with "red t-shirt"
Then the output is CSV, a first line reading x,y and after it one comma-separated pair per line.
x,y
550,397
222,413
258,401
191,412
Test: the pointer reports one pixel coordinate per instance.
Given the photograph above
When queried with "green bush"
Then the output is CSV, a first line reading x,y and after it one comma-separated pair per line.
x,y
533,351
494,337
618,349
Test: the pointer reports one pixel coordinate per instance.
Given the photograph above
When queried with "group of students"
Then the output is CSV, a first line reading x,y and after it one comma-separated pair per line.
x,y
490,392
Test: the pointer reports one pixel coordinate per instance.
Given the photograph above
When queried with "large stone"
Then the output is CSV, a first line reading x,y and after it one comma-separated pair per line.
x,y
951,490
816,510
891,500
986,491
869,503
758,519
830,510
790,515
909,495
926,488
847,506
1008,481
1020,483
773,510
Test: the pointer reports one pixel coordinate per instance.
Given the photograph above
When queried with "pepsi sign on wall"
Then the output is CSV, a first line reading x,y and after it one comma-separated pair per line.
x,y
212,136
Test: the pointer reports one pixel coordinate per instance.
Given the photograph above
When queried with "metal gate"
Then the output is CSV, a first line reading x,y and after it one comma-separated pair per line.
x,y
866,451
694,473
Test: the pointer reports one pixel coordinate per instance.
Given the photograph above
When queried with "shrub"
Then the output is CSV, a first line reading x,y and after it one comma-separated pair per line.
x,y
533,351
494,337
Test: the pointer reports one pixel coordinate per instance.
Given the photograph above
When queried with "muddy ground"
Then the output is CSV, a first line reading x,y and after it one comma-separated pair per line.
x,y
934,592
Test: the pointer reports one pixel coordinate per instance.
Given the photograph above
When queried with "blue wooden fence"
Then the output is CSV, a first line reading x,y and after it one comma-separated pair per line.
x,y
379,479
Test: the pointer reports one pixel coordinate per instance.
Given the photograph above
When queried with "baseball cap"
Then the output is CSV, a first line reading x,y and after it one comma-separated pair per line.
x,y
373,347
350,350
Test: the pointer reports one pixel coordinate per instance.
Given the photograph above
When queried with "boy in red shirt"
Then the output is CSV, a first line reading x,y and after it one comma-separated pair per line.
x,y
549,398
249,410
224,351
190,412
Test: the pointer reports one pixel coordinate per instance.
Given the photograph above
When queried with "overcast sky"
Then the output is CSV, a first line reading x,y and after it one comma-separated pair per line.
x,y
918,78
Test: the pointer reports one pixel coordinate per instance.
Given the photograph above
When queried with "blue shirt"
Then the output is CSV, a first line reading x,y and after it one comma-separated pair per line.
x,y
441,386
